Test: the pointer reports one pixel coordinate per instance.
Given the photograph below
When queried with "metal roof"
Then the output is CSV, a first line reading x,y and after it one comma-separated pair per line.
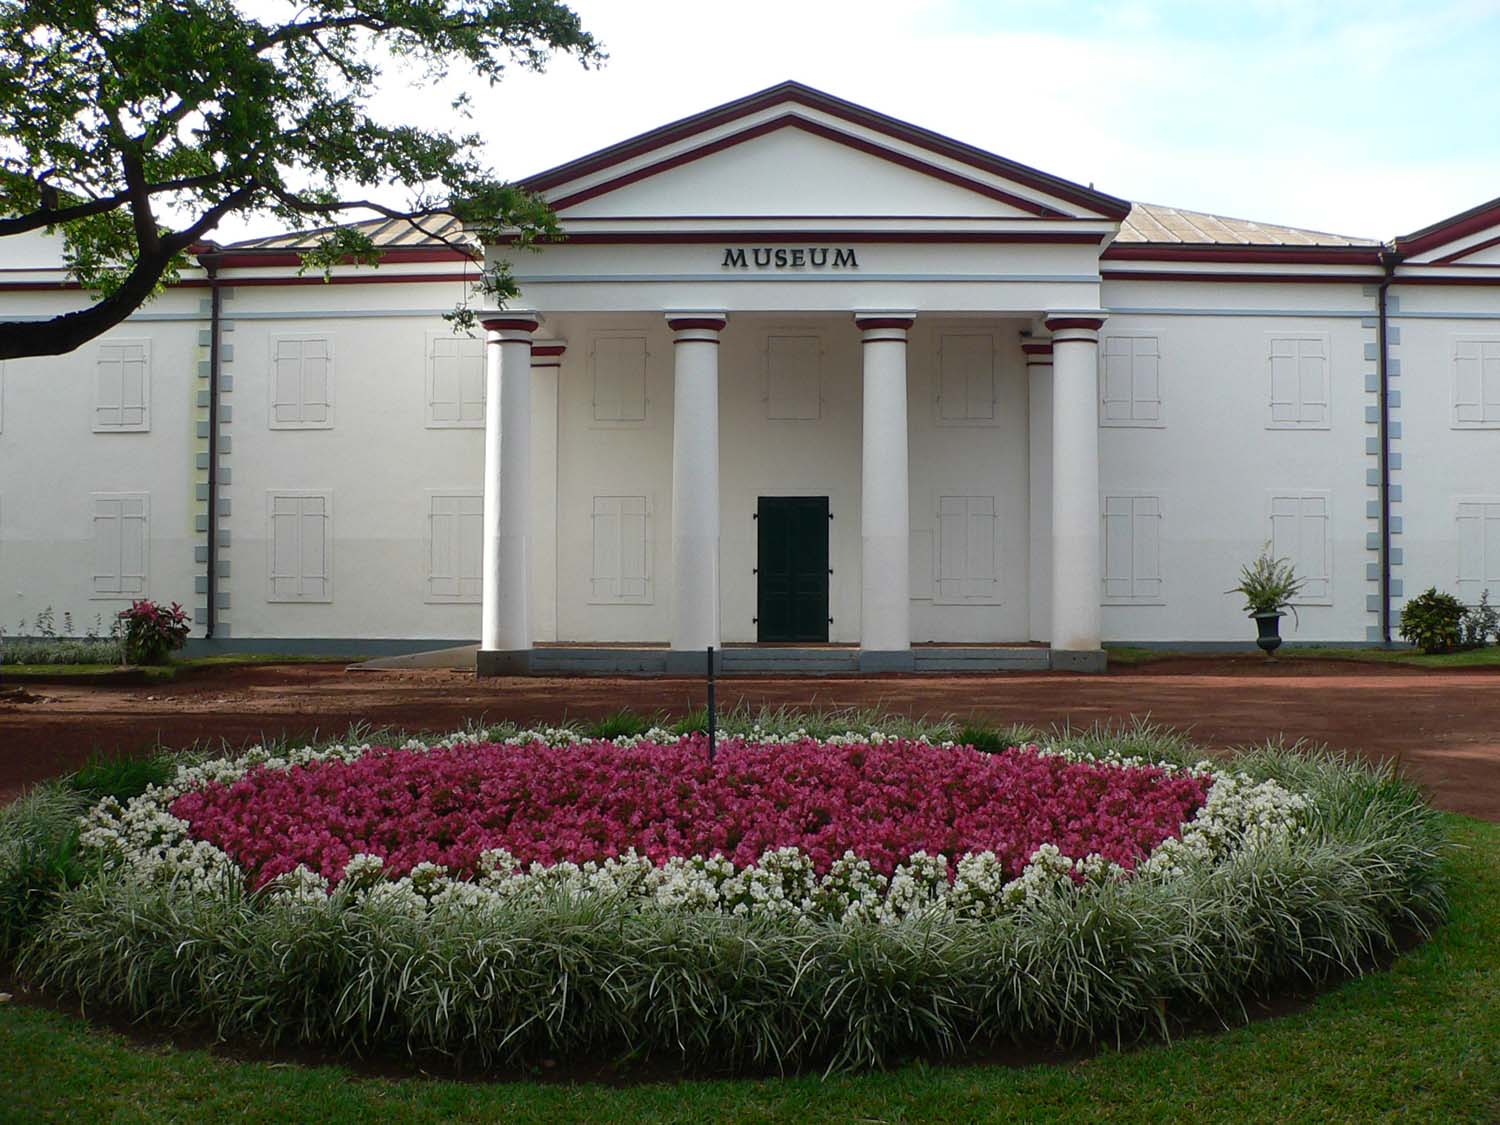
x,y
1152,222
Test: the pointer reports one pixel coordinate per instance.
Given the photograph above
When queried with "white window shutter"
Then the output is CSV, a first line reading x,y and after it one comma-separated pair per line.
x,y
1476,382
1132,549
301,546
1478,548
122,544
1117,380
622,550
966,378
619,379
301,382
793,377
107,546
1299,368
1145,379
1145,566
122,386
455,381
967,559
1119,550
1300,533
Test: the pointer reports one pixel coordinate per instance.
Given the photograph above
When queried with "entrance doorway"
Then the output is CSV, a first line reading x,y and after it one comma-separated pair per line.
x,y
792,568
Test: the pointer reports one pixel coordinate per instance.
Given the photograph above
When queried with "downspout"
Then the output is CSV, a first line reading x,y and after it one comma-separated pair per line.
x,y
1388,260
211,266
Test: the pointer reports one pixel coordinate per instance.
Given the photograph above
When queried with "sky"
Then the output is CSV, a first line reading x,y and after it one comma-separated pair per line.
x,y
1373,118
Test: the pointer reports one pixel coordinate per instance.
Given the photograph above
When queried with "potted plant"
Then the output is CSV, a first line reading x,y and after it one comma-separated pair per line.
x,y
1269,584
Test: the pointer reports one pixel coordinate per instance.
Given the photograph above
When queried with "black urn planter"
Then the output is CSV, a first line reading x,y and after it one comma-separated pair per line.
x,y
1268,626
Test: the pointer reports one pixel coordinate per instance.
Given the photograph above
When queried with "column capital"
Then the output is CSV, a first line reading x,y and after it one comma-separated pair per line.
x,y
547,353
696,321
1068,325
875,321
517,326
1038,352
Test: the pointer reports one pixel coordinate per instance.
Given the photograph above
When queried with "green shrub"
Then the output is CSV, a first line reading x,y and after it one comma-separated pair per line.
x,y
38,846
120,776
1481,622
153,631
622,724
61,650
1433,621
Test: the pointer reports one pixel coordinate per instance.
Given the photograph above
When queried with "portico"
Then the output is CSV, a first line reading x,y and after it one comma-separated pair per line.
x,y
927,377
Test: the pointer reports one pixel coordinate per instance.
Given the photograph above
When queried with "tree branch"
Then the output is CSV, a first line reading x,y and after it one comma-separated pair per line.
x,y
45,217
63,333
315,207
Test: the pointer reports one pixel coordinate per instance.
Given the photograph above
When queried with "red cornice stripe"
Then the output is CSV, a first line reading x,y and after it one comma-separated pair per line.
x,y
1037,349
832,237
792,121
1205,275
1281,255
797,93
543,351
252,258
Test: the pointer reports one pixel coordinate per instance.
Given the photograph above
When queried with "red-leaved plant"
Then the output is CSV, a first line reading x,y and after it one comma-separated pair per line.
x,y
152,631
883,801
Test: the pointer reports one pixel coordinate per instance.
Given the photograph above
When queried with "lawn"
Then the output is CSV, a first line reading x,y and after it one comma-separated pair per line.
x,y
169,671
1419,1042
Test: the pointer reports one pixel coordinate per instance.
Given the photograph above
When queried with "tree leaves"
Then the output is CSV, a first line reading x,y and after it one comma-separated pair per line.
x,y
134,126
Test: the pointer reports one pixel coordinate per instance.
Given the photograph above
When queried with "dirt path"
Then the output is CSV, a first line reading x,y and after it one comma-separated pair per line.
x,y
1444,727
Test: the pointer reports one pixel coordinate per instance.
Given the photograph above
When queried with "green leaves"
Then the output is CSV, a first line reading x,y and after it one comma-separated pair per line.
x,y
135,127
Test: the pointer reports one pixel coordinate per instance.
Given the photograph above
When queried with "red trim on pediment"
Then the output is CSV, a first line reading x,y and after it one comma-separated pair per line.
x,y
792,121
1459,255
1451,229
830,237
796,93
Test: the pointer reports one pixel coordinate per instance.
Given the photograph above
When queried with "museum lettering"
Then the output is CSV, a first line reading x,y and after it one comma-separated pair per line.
x,y
790,258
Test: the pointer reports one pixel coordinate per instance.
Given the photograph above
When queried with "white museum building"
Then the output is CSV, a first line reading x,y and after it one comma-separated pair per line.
x,y
802,380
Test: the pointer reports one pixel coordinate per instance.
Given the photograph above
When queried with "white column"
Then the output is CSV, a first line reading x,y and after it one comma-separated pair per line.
x,y
505,638
695,485
885,506
1076,551
546,367
1039,485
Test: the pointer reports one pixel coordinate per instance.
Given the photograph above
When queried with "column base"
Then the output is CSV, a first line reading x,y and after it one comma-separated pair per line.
x,y
502,662
693,661
890,660
1079,660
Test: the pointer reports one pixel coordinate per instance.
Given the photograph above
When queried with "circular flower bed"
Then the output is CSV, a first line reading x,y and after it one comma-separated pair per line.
x,y
844,900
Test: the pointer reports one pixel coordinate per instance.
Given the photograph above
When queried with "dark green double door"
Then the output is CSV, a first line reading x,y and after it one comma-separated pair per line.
x,y
792,568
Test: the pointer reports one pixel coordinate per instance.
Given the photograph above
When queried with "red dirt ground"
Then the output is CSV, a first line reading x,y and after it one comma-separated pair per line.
x,y
1443,727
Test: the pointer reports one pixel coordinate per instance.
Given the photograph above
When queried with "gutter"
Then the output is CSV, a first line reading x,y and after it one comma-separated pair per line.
x,y
210,263
1388,260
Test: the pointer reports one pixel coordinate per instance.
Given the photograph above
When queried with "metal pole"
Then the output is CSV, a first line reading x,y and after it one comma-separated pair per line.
x,y
712,733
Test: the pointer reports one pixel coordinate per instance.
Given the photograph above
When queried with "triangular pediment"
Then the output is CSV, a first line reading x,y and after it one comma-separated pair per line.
x,y
791,151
